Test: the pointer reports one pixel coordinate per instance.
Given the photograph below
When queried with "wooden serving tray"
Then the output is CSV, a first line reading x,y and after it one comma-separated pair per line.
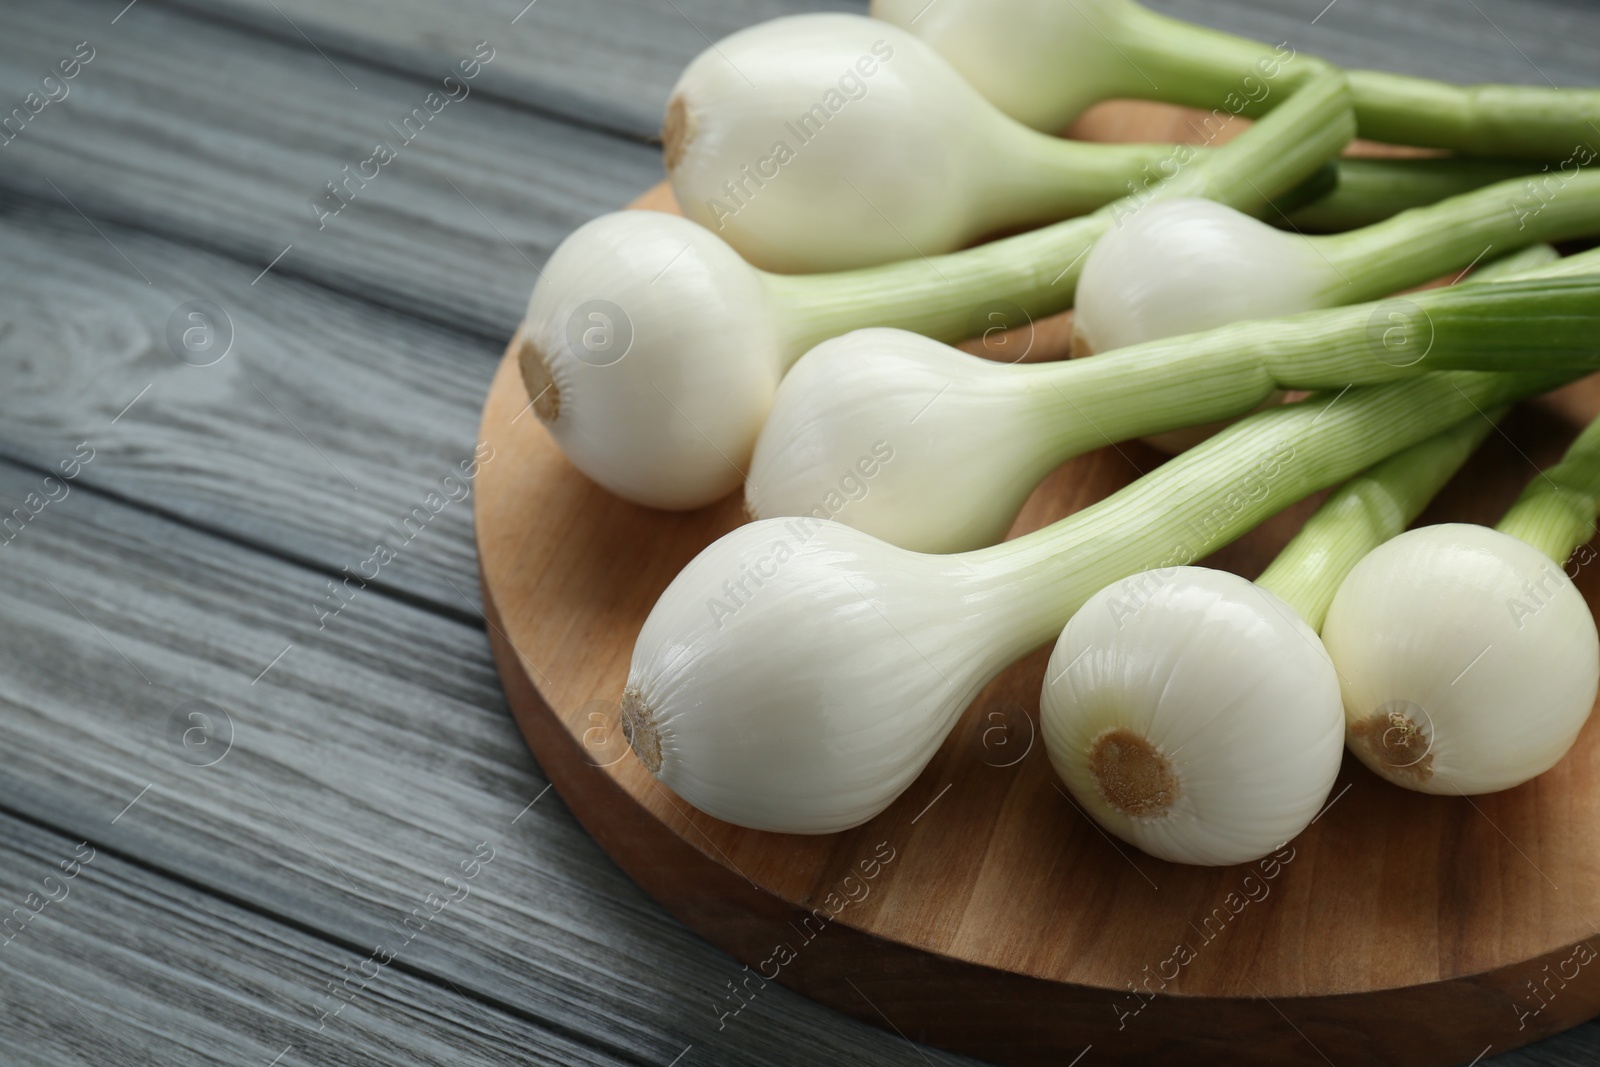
x,y
983,912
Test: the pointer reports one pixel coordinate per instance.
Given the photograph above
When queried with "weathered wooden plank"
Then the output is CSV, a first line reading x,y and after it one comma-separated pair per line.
x,y
223,138
609,62
102,961
1514,42
612,62
347,771
321,426
1575,1048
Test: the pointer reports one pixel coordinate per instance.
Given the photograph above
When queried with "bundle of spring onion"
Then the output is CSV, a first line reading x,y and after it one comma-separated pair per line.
x,y
802,670
798,674
827,142
651,351
1043,62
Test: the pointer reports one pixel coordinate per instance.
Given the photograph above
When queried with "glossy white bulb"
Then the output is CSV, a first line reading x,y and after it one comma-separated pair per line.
x,y
651,354
1194,715
830,141
799,674
904,438
1040,61
1469,660
1186,265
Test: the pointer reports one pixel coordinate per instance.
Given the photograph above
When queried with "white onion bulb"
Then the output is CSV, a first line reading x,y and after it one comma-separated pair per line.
x,y
1043,87
799,674
1186,265
1469,660
1193,714
642,395
907,439
826,142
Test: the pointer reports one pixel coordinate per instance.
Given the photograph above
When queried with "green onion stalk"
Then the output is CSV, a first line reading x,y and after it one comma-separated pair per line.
x,y
1044,62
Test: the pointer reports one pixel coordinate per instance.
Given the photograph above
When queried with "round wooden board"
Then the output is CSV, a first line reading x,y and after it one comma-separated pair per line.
x,y
983,912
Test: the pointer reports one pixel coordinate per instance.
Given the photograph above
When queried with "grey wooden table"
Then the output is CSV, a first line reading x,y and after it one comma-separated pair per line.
x,y
224,780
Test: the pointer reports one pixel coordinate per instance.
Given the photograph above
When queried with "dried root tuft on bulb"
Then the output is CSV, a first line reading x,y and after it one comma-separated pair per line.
x,y
677,130
1396,744
539,382
639,727
1132,774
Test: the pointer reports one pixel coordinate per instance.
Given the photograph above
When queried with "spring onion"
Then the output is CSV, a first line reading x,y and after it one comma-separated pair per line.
x,y
1043,62
961,441
1468,659
1187,265
651,351
1524,259
1197,715
830,141
1365,191
798,674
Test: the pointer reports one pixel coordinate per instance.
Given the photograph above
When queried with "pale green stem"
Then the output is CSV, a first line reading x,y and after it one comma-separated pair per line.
x,y
1379,504
1522,261
1532,323
1481,120
1364,513
1371,190
1567,267
1424,243
1199,501
1186,64
1048,178
1556,513
942,296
